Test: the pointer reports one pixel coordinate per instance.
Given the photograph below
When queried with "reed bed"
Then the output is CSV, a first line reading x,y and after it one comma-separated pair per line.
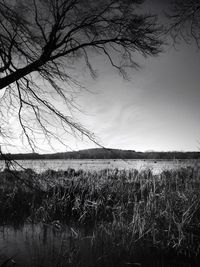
x,y
124,206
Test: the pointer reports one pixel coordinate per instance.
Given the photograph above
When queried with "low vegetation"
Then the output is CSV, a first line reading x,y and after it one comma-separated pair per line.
x,y
124,207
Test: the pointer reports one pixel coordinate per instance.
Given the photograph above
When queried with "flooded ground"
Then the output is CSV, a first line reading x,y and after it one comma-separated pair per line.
x,y
48,245
36,245
123,218
156,166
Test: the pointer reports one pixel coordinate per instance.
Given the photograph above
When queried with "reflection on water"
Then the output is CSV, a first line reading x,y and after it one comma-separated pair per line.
x,y
37,245
156,166
41,245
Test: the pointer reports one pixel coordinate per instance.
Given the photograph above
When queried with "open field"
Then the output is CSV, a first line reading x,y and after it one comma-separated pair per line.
x,y
127,212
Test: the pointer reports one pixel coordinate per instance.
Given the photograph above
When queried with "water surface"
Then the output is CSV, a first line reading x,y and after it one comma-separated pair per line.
x,y
156,166
42,245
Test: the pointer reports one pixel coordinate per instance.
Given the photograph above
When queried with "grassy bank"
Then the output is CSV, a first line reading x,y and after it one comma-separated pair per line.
x,y
129,206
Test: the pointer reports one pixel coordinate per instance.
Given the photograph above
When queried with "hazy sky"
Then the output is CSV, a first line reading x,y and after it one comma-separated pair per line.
x,y
157,109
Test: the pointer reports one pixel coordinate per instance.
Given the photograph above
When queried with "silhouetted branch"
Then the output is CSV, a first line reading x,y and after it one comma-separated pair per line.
x,y
185,21
40,41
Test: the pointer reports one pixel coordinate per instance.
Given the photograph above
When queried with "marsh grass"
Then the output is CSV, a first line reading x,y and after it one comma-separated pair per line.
x,y
125,207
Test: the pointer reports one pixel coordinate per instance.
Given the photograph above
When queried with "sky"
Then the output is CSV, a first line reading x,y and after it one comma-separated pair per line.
x,y
156,109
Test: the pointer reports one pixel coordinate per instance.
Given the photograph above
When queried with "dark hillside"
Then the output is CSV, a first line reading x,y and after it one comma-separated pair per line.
x,y
101,153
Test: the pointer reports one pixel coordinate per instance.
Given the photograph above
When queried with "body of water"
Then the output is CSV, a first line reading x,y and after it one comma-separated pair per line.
x,y
36,245
42,245
91,164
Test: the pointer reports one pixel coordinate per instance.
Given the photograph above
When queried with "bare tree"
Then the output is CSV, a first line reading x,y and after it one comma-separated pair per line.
x,y
41,42
185,21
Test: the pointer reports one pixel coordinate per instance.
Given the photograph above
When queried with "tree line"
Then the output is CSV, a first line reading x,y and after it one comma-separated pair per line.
x,y
100,153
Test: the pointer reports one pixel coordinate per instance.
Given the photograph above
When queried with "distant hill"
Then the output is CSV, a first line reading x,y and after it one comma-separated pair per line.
x,y
101,153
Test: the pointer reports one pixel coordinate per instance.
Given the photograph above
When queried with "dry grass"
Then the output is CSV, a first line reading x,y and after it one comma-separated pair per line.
x,y
129,206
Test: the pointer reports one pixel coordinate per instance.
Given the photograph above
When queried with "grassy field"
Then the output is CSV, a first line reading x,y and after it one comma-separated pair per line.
x,y
124,207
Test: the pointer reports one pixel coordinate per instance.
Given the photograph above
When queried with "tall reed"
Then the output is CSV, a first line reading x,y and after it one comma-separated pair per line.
x,y
163,209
